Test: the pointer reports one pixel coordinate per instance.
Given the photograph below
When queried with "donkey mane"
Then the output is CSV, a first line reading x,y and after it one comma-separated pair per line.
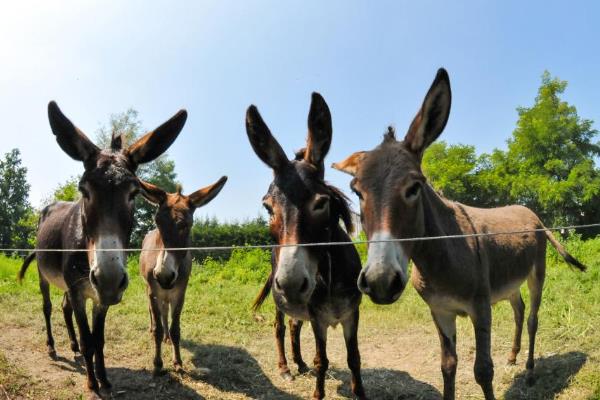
x,y
390,134
341,206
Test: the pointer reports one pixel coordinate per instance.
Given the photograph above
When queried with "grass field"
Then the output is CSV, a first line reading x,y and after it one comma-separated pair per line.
x,y
229,352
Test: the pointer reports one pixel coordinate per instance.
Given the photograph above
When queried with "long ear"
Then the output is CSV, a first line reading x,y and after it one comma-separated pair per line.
x,y
433,115
205,195
156,142
319,131
350,164
73,142
264,144
152,193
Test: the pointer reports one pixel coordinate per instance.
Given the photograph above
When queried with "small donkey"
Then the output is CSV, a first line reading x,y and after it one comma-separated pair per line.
x,y
165,271
460,276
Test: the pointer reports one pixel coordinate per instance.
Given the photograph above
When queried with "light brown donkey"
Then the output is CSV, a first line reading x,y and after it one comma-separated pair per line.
x,y
454,276
167,272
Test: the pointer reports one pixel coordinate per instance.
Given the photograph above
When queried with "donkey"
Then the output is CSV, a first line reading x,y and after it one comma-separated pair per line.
x,y
309,283
165,271
102,219
462,276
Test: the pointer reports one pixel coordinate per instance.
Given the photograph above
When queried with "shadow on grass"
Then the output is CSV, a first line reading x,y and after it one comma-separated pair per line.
x,y
552,374
387,384
141,385
233,369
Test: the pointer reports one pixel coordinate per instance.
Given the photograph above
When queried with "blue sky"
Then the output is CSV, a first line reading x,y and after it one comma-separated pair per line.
x,y
372,61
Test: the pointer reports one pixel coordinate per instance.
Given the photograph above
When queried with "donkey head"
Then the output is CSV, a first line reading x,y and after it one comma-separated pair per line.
x,y
302,207
174,219
389,184
108,188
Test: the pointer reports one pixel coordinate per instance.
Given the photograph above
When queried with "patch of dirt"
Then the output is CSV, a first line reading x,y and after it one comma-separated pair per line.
x,y
396,365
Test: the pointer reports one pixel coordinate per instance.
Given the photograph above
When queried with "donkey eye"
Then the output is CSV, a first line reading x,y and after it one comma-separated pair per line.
x,y
321,203
268,208
84,192
133,194
413,191
356,192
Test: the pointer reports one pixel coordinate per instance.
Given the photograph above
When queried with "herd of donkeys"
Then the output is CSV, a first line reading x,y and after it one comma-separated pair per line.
x,y
80,245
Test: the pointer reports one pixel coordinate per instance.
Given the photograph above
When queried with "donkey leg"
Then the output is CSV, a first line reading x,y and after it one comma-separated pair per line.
x,y
175,331
353,355
152,322
295,328
47,307
535,282
98,319
158,334
446,326
484,366
68,315
516,301
321,361
164,319
284,370
86,340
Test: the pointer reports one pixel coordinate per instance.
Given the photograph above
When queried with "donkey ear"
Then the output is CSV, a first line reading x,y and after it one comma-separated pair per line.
x,y
431,119
73,142
350,164
205,195
319,131
152,193
156,142
264,144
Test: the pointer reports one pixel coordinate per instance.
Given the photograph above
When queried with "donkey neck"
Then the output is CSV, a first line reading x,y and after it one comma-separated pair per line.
x,y
442,217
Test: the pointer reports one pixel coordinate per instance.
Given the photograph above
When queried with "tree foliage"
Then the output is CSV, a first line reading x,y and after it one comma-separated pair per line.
x,y
549,164
17,219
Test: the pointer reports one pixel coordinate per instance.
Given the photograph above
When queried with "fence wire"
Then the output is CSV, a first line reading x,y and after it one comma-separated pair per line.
x,y
318,244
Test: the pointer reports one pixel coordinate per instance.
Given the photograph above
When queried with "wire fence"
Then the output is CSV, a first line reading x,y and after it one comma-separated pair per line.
x,y
318,244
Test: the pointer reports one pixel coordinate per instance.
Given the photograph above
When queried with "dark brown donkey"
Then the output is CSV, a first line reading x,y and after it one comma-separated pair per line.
x,y
454,276
309,283
101,220
167,272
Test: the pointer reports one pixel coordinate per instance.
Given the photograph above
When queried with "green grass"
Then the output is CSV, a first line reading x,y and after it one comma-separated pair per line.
x,y
217,313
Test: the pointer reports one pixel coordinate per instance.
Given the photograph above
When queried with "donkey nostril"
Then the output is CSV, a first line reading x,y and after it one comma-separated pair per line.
x,y
304,286
397,284
123,283
277,285
93,278
362,284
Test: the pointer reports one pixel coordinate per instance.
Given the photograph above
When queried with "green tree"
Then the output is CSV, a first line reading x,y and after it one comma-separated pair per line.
x,y
550,158
548,166
160,172
16,227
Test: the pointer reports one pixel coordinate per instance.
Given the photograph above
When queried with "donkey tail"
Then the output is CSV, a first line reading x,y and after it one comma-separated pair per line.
x,y
563,252
25,265
263,294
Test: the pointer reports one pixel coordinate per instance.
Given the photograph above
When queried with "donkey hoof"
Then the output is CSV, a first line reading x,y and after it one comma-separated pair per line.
x,y
158,371
52,352
93,395
178,368
511,361
303,369
105,392
287,376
